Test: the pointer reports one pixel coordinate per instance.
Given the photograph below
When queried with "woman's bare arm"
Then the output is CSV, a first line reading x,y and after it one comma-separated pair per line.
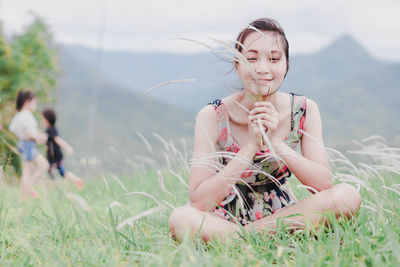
x,y
311,168
206,189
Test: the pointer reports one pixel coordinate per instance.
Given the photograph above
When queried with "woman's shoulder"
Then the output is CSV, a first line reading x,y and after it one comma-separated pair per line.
x,y
313,114
215,111
311,102
312,106
214,108
207,113
207,122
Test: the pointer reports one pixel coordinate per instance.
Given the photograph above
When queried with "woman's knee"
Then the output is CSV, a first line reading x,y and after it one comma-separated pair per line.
x,y
347,199
179,215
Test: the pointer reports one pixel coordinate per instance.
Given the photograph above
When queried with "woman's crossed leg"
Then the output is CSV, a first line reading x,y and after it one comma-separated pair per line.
x,y
342,199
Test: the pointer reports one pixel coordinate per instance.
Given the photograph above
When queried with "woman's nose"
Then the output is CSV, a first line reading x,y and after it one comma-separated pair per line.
x,y
263,66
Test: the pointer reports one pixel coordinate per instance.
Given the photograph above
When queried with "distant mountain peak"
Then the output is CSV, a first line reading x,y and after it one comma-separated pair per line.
x,y
346,45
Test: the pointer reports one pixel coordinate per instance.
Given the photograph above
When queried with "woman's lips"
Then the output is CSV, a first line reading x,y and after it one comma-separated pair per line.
x,y
260,80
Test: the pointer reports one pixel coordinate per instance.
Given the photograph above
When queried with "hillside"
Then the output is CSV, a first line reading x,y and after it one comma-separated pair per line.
x,y
357,94
100,117
139,72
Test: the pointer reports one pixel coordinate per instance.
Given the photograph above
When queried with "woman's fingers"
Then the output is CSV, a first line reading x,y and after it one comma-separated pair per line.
x,y
263,117
264,108
266,124
264,104
263,113
258,110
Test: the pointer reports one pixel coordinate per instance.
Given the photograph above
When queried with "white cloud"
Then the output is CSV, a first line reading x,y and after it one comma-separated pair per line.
x,y
148,25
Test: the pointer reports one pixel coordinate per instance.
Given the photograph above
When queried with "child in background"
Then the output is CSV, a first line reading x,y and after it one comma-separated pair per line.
x,y
54,145
25,127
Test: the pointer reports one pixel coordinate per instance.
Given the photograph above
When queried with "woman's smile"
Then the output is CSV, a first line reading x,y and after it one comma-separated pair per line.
x,y
264,81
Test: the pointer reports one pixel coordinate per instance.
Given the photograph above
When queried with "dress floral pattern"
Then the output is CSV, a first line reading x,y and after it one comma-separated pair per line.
x,y
263,189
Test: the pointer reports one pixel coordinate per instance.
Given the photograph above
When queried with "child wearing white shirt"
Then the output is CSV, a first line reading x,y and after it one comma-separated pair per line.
x,y
25,127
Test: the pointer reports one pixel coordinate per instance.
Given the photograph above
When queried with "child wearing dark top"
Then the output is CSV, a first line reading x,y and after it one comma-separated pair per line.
x,y
54,154
54,146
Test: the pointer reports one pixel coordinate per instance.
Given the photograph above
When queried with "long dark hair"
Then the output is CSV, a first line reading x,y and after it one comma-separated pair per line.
x,y
22,97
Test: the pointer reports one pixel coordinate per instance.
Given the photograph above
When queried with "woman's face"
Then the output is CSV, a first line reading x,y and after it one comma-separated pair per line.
x,y
265,66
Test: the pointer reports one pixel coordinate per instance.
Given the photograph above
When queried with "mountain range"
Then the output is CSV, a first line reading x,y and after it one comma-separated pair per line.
x,y
101,93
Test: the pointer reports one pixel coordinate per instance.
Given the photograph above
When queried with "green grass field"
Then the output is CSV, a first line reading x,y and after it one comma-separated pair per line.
x,y
122,221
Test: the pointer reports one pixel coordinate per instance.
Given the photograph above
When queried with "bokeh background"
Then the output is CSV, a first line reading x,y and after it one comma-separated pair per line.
x,y
345,55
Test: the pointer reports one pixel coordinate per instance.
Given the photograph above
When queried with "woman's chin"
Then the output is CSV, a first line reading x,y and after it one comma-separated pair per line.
x,y
267,90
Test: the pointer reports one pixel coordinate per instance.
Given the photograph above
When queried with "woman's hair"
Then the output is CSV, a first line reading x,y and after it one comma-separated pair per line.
x,y
22,97
263,25
50,116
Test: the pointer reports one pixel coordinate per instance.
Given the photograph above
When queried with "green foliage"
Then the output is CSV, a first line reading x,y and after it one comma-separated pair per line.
x,y
7,70
9,155
29,60
36,58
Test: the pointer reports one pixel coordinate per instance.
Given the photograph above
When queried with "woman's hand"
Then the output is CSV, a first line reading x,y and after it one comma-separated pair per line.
x,y
269,119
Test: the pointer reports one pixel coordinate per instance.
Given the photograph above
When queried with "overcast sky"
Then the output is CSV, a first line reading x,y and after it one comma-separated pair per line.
x,y
149,25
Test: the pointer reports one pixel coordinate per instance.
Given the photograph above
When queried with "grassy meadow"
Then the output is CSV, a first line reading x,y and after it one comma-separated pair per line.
x,y
122,220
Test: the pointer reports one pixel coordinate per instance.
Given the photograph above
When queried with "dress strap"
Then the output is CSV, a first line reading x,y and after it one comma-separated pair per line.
x,y
225,140
216,103
291,111
298,104
223,122
222,111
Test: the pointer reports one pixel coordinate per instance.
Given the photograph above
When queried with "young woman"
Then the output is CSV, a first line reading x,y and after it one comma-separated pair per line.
x,y
244,150
25,127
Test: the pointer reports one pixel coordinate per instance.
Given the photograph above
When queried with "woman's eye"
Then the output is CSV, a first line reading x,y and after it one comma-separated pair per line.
x,y
275,59
251,59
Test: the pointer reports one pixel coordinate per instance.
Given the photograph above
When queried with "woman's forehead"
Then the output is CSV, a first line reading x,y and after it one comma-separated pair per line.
x,y
264,40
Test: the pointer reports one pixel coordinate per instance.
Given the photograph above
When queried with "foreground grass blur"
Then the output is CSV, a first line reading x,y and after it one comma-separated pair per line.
x,y
123,221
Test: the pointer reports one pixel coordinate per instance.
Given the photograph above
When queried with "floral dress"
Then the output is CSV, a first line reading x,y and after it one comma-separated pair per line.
x,y
262,190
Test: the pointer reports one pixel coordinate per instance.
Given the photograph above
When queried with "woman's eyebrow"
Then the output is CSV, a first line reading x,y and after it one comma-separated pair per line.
x,y
252,51
276,52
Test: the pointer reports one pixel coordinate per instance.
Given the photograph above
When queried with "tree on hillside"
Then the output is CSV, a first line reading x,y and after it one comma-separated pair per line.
x,y
36,57
28,60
